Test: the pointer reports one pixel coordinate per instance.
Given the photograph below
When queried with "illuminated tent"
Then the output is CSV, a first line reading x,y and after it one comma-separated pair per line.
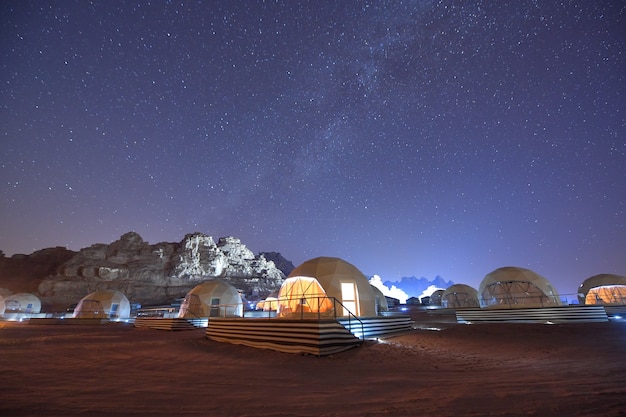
x,y
22,303
214,298
344,282
303,295
269,304
513,287
436,298
603,289
103,304
459,296
381,300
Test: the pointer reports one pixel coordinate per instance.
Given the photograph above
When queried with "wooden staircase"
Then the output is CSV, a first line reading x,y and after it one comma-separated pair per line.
x,y
376,327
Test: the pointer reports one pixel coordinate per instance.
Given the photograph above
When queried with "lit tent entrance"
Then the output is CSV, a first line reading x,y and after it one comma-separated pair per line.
x,y
343,282
607,294
303,297
606,289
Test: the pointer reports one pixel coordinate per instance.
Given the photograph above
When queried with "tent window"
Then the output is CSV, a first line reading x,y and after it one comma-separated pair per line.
x,y
215,301
349,298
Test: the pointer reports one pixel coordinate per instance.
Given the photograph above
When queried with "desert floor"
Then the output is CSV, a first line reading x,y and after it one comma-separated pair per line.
x,y
439,369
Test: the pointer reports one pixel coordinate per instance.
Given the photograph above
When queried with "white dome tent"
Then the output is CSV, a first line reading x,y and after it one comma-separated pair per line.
x,y
460,296
105,304
514,287
381,301
214,298
436,298
22,303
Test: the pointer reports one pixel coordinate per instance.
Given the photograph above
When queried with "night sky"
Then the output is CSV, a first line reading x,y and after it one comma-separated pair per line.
x,y
409,138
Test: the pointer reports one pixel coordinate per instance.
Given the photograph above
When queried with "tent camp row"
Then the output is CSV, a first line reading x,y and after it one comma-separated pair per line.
x,y
322,288
514,287
332,287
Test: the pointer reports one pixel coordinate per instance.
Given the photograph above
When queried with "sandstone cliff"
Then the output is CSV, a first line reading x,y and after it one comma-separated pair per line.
x,y
159,273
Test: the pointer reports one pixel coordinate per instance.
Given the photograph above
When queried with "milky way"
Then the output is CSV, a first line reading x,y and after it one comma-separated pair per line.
x,y
409,138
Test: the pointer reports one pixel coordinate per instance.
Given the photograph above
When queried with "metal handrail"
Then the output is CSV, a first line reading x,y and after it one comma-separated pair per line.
x,y
350,314
320,299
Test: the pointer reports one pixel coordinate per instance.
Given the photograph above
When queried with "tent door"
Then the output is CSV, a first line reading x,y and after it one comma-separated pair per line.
x,y
349,298
113,312
215,307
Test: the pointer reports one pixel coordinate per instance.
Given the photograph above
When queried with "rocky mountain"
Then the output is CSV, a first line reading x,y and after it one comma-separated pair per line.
x,y
414,286
23,273
281,263
151,274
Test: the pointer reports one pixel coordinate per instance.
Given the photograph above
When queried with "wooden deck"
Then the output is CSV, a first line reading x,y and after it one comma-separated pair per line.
x,y
564,314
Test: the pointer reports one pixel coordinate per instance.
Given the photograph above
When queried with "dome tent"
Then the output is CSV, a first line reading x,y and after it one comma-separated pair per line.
x,y
103,304
22,303
603,289
344,282
301,295
436,298
269,304
214,298
381,300
460,296
514,287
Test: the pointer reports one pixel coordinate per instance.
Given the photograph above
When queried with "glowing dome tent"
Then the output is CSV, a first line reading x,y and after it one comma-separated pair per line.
x,y
22,303
344,282
269,304
103,304
514,287
603,289
300,295
381,300
214,298
460,296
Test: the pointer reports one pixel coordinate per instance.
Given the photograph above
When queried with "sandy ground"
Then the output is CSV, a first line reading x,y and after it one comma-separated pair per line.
x,y
460,370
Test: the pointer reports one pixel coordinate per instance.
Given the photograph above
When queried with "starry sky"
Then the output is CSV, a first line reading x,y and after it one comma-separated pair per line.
x,y
407,137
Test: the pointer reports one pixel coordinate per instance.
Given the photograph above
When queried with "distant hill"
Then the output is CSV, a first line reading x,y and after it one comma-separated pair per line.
x,y
414,286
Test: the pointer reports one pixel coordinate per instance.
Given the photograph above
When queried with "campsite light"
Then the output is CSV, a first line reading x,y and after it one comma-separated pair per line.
x,y
435,329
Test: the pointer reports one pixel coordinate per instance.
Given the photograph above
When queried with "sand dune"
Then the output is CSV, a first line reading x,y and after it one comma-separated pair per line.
x,y
468,370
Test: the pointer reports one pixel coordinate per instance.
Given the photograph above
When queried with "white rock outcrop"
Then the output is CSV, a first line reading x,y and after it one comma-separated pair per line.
x,y
159,274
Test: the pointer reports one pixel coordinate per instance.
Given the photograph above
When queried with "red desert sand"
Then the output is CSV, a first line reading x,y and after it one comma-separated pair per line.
x,y
459,370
